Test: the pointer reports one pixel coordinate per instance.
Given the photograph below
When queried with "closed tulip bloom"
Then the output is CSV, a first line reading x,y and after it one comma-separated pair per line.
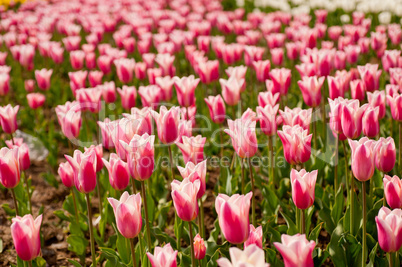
x,y
84,166
208,71
8,118
150,95
35,100
395,103
199,247
4,84
244,139
26,236
335,116
370,75
128,94
255,237
231,90
29,85
303,187
66,174
385,154
370,122
393,191
89,99
192,148
107,128
140,69
362,158
377,99
389,228
233,216
268,98
99,155
352,116
165,84
238,72
296,250
281,78
217,109
163,257
262,68
195,172
104,63
296,116
336,86
152,74
77,80
43,78
90,60
23,152
167,122
277,56
141,156
184,195
69,118
125,69
108,90
252,256
165,62
127,211
267,118
358,89
9,167
77,59
296,144
311,90
185,88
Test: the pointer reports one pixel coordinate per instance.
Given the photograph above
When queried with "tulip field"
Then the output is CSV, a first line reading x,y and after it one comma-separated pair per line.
x,y
200,133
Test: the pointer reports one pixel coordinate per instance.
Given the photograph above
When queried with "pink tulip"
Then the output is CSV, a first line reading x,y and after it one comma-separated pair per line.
x,y
370,75
277,56
252,54
303,187
244,139
192,148
336,86
167,123
385,154
72,42
321,15
163,257
292,50
125,69
370,122
390,59
389,228
4,84
393,191
267,118
150,95
129,44
128,95
8,118
3,56
296,144
268,98
95,78
26,236
104,63
29,85
296,116
127,211
352,53
363,158
306,69
296,250
184,195
107,128
26,56
66,174
199,247
352,116
140,69
340,60
23,152
77,80
108,91
165,62
208,71
281,78
99,155
84,166
239,72
153,74
35,100
43,78
77,59
335,116
185,88
311,90
255,237
233,216
195,172
69,117
217,109
9,167
89,99
231,90
377,99
90,60
262,68
395,103
252,256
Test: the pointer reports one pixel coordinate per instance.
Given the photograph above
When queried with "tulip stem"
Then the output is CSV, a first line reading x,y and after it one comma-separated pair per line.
x,y
336,183
146,216
12,139
303,221
99,198
242,176
15,202
133,252
91,230
75,205
171,163
221,134
29,263
314,128
252,190
391,259
133,185
298,219
400,145
201,218
351,194
190,230
28,193
271,157
364,224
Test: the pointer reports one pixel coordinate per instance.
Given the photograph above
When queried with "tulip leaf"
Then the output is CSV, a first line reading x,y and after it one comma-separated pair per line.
x,y
61,214
336,251
77,244
112,256
272,259
372,256
123,247
324,215
161,213
337,209
75,263
315,232
292,230
9,211
51,179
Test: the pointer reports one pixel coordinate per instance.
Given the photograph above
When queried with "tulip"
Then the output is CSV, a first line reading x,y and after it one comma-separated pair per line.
x,y
296,250
385,154
377,99
29,85
153,74
281,78
255,237
107,128
262,68
151,95
90,60
4,84
231,90
303,187
77,59
8,118
66,174
239,72
199,247
393,191
233,216
141,156
352,116
184,196
26,236
125,69
296,144
43,78
9,167
311,90
217,109
336,86
165,62
277,56
77,80
104,63
84,166
370,76
358,89
244,140
69,117
128,95
185,88
140,70
267,118
35,100
165,84
163,257
208,71
306,69
252,256
89,99
362,158
167,123
395,103
335,117
268,98
23,152
370,122
296,116
389,228
192,148
195,172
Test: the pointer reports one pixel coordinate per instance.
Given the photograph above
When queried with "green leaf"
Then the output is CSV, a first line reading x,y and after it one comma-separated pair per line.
x,y
315,233
112,256
325,215
292,230
337,252
62,216
337,209
272,258
75,263
372,256
51,179
178,229
77,244
9,211
123,247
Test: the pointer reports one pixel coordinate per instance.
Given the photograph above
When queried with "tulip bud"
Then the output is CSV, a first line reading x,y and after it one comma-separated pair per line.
x,y
119,176
199,247
393,191
167,123
385,154
389,228
303,188
244,139
84,166
8,118
255,237
362,158
26,236
296,250
370,122
184,195
163,257
217,109
66,174
9,167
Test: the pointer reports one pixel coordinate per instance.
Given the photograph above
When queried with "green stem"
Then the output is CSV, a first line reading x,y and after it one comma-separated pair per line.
x,y
133,252
221,134
99,198
303,221
298,219
351,191
178,235
171,164
400,145
75,205
29,263
190,230
336,183
28,193
15,201
352,204
242,176
12,139
271,157
146,216
364,257
201,219
314,129
133,185
91,230
252,190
